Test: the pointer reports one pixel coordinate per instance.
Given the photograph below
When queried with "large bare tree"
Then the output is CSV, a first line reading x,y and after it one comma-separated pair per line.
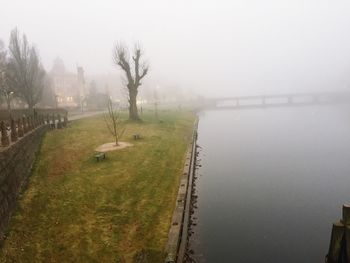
x,y
135,70
26,75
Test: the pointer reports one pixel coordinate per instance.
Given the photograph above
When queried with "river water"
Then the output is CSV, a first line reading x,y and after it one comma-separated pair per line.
x,y
271,184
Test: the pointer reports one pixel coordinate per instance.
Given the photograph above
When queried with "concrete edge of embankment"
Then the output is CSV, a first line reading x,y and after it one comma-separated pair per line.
x,y
178,233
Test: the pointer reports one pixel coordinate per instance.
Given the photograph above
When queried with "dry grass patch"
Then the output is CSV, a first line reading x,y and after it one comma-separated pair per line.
x,y
78,210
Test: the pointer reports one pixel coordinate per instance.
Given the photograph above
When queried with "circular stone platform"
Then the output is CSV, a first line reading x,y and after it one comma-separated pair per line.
x,y
110,146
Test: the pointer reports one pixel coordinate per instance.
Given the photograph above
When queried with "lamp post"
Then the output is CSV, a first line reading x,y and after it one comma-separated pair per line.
x,y
56,100
8,95
82,103
155,94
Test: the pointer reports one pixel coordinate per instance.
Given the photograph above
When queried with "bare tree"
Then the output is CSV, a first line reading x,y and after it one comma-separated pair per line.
x,y
25,72
5,90
3,62
3,55
135,70
113,122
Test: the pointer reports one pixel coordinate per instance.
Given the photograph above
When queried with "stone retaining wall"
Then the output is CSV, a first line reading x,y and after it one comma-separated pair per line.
x,y
16,163
177,238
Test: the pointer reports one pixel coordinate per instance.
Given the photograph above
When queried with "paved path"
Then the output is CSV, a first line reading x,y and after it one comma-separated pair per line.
x,y
87,114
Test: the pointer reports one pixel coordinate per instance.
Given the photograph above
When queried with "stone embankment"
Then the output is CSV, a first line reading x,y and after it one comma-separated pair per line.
x,y
178,233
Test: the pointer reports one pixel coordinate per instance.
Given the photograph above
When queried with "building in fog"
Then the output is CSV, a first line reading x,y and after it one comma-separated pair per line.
x,y
69,88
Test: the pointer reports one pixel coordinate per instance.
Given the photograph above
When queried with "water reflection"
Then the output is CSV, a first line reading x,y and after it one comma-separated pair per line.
x,y
272,182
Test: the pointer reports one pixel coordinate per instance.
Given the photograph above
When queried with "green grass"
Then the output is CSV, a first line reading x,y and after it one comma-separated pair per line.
x,y
78,210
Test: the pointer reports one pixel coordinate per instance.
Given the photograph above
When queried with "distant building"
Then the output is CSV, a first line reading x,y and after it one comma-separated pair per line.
x,y
81,82
69,88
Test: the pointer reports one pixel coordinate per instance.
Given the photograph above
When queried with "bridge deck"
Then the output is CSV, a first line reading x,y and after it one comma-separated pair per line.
x,y
277,100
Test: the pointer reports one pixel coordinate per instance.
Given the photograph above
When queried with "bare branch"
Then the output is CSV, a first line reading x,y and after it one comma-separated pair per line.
x,y
121,58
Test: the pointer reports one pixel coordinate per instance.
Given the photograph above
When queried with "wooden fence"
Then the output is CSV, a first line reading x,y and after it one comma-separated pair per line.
x,y
17,113
18,123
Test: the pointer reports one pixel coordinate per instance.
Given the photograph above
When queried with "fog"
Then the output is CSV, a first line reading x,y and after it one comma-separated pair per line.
x,y
211,48
239,122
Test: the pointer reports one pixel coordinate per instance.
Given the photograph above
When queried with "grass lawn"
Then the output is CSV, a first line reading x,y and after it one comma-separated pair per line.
x,y
78,210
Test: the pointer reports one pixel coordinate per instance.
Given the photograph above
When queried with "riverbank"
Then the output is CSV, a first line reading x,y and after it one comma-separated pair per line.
x,y
78,210
181,220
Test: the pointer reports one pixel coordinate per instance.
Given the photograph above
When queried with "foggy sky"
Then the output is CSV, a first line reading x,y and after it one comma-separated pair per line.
x,y
213,47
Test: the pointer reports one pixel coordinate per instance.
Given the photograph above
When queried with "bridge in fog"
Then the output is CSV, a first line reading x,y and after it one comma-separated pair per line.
x,y
277,100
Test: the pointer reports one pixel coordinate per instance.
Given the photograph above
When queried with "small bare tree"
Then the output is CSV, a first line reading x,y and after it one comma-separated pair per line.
x,y
25,72
135,70
114,122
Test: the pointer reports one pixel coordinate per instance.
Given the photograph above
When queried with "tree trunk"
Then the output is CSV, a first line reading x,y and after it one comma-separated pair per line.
x,y
133,113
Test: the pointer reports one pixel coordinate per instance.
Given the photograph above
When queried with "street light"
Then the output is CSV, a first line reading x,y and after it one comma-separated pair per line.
x,y
82,103
155,94
56,100
8,100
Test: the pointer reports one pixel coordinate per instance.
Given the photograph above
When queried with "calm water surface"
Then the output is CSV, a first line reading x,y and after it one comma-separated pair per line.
x,y
271,184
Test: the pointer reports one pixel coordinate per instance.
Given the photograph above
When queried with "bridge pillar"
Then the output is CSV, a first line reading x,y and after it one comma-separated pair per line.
x,y
339,248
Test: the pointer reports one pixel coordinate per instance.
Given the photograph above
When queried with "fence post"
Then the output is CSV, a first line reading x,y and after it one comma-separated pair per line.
x,y
65,120
53,125
31,119
35,120
29,127
29,122
25,125
20,128
13,131
59,124
32,122
5,141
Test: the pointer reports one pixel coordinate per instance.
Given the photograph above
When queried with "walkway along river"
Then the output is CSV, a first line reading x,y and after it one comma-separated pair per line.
x,y
271,183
